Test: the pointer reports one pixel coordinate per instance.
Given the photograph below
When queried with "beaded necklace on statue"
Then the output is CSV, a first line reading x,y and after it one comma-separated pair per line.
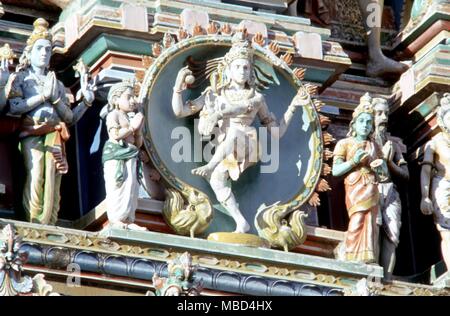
x,y
360,144
237,97
40,81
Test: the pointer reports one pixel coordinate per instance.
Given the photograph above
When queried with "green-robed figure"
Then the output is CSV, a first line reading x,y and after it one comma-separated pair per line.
x,y
121,165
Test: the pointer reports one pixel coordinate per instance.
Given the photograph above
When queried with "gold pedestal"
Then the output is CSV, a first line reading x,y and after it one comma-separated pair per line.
x,y
248,240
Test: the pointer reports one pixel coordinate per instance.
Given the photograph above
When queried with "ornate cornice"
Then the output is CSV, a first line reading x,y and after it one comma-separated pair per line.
x,y
228,271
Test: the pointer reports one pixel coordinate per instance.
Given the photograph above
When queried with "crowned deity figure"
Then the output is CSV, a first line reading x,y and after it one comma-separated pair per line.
x,y
40,99
354,157
435,178
390,204
232,103
121,165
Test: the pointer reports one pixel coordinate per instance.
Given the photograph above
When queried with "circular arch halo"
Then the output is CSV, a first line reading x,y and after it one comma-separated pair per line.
x,y
185,192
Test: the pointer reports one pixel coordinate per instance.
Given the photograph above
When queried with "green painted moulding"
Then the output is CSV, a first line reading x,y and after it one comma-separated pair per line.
x,y
140,47
424,25
438,48
232,250
318,75
115,43
424,109
103,43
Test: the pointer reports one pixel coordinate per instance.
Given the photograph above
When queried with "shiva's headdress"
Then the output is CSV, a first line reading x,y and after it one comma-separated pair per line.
x,y
241,49
215,70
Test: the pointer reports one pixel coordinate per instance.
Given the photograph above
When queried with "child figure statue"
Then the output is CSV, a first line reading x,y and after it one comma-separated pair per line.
x,y
121,165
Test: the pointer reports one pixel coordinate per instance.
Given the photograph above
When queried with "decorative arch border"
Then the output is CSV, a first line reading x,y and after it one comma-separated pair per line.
x,y
184,196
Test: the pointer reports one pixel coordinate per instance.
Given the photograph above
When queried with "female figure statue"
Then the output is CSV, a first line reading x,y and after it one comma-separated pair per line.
x,y
41,100
232,104
121,165
352,158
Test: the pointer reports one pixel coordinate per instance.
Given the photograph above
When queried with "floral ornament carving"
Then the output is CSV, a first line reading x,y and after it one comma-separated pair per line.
x,y
7,53
180,281
11,261
363,288
12,283
41,287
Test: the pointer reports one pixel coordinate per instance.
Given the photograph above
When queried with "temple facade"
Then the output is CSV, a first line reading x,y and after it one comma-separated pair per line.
x,y
314,66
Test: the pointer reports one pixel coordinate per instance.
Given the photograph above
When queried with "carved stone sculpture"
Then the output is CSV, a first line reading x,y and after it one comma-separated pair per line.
x,y
352,158
12,283
6,58
41,100
435,178
179,282
316,10
378,65
232,103
121,164
363,288
390,204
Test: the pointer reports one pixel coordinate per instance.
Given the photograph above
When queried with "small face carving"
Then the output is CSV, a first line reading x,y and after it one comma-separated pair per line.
x,y
240,71
40,53
381,115
363,125
127,102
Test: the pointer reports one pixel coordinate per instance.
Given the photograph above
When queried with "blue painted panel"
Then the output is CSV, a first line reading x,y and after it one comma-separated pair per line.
x,y
253,188
91,136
